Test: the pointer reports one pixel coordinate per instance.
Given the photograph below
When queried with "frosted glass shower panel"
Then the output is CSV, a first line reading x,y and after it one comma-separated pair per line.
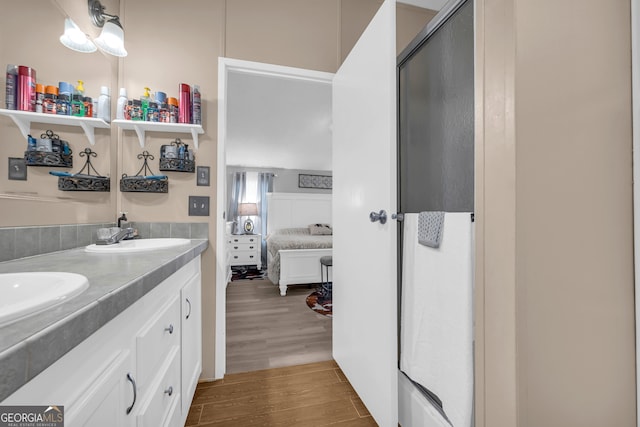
x,y
436,120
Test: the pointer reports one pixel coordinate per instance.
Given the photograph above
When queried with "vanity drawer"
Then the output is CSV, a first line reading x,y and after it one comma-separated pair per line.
x,y
156,339
164,394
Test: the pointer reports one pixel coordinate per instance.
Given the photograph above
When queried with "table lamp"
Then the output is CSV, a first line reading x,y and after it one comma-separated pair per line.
x,y
248,210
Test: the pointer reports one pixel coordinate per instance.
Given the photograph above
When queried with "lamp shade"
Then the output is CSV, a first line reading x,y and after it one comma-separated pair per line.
x,y
111,39
247,209
75,39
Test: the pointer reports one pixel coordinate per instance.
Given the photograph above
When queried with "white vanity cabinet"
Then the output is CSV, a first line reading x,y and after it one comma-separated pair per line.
x,y
140,369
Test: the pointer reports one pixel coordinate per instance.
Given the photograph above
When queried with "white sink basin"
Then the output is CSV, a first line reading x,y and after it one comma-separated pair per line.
x,y
139,245
27,293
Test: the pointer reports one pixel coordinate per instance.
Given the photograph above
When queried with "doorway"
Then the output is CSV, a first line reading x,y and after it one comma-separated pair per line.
x,y
244,89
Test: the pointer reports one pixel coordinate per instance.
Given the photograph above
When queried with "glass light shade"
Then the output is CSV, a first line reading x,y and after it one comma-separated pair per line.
x,y
75,39
111,39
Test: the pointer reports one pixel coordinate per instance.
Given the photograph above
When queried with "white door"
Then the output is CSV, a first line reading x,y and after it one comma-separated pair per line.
x,y
364,252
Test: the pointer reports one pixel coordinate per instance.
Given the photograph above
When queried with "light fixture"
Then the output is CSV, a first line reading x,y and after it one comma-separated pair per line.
x,y
75,39
111,40
247,209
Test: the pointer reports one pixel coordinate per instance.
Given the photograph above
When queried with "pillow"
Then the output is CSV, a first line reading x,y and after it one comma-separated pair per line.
x,y
320,229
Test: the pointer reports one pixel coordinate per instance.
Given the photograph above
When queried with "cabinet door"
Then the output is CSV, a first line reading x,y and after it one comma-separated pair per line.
x,y
105,402
191,340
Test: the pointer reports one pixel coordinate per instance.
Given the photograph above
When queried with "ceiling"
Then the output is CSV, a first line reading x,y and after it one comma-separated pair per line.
x,y
282,123
277,122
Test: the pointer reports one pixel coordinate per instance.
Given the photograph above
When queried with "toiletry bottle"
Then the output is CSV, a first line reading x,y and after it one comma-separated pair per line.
x,y
144,101
104,104
185,103
136,110
174,110
152,112
77,105
63,103
39,97
26,88
31,143
12,87
49,101
88,106
196,109
80,88
122,104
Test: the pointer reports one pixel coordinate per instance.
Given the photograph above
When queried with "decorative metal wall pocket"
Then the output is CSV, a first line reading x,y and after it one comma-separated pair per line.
x,y
148,183
176,157
60,154
84,180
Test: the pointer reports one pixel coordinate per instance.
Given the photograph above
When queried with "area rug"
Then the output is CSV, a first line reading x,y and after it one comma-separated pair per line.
x,y
247,273
319,304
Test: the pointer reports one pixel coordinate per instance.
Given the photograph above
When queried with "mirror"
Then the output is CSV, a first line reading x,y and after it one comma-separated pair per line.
x,y
29,34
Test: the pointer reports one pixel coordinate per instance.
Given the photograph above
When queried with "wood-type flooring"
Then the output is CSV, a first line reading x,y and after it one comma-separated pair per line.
x,y
266,330
311,395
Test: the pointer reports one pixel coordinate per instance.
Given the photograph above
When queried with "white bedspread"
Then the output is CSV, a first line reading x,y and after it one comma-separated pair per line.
x,y
291,238
437,314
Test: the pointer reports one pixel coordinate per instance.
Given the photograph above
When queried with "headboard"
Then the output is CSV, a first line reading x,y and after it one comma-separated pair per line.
x,y
291,210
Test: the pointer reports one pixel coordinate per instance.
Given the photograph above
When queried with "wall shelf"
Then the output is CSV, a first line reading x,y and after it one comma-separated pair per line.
x,y
140,127
23,120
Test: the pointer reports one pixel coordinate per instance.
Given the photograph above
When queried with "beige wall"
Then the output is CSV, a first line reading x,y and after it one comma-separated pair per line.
x,y
555,312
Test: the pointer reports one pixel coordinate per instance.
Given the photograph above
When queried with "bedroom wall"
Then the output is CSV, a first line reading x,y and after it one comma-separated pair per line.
x,y
285,181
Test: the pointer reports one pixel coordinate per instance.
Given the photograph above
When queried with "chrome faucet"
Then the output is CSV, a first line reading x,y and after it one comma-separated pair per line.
x,y
123,217
121,234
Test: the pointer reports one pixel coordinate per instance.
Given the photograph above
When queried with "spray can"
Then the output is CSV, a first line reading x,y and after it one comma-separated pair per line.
x,y
49,101
12,87
39,97
26,88
184,115
174,109
196,110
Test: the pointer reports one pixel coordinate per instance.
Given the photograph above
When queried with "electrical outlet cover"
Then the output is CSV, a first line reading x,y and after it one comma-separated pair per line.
x,y
198,205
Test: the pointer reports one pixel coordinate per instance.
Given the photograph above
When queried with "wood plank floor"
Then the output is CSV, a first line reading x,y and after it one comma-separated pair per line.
x,y
266,330
310,395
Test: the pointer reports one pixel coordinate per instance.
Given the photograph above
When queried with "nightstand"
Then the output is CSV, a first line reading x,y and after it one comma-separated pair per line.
x,y
245,249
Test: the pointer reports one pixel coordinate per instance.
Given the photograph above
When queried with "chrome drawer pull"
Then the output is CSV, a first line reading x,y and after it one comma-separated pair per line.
x,y
188,302
169,391
135,393
169,329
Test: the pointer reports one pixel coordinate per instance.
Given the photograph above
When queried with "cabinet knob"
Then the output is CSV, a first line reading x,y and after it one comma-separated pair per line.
x,y
169,391
169,329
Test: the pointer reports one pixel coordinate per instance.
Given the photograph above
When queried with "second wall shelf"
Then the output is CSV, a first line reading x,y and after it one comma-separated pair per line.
x,y
141,127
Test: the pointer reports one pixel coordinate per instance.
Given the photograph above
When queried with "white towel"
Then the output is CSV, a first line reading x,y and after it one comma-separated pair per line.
x,y
437,314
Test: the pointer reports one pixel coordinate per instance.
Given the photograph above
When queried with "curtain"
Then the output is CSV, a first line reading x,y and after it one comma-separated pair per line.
x,y
238,191
265,185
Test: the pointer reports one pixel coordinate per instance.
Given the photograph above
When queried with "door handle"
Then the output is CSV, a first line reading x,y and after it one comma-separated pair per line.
x,y
378,216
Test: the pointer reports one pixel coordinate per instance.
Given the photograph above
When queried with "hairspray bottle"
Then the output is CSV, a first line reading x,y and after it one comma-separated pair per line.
x,y
26,88
196,111
12,87
184,115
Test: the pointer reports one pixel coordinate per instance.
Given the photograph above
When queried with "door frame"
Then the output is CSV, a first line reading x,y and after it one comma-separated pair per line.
x,y
635,82
225,67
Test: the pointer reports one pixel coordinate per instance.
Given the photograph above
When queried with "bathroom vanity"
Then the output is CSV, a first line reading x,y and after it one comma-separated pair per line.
x,y
126,352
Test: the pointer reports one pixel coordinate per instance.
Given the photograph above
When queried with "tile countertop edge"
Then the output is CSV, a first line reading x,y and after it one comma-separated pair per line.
x,y
46,346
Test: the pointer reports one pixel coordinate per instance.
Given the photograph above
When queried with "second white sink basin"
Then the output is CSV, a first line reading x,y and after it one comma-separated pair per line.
x,y
27,293
138,245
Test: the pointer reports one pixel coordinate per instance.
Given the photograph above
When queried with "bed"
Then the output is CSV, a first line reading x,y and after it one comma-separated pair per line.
x,y
293,254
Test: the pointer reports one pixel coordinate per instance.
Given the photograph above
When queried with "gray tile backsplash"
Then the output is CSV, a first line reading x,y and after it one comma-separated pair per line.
x,y
20,242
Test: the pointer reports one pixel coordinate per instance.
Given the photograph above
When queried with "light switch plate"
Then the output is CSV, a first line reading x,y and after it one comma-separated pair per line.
x,y
17,169
198,205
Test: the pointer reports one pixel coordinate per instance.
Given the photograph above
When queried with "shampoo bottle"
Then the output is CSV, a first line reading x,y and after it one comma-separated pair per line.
x,y
122,104
12,87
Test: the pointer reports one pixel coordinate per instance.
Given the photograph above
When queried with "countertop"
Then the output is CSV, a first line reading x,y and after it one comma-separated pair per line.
x,y
31,344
